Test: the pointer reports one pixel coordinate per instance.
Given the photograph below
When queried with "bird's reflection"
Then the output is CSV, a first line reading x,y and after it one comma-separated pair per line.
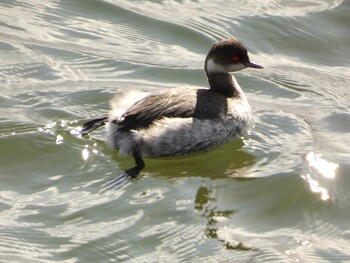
x,y
204,206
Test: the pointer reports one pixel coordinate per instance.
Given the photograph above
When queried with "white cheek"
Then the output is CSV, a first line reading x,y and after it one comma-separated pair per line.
x,y
236,67
213,67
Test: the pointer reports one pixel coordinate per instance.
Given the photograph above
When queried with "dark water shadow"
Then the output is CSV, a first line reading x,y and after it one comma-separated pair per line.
x,y
119,182
228,160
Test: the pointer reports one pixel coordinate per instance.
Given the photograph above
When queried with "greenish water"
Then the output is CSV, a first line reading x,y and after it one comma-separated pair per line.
x,y
278,194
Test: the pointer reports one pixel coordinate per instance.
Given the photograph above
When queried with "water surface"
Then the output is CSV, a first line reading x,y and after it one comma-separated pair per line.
x,y
278,194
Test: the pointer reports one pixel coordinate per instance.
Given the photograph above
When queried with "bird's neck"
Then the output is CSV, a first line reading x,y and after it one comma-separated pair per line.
x,y
224,83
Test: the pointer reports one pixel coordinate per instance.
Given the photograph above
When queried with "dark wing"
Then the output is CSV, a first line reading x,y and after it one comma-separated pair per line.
x,y
93,125
183,103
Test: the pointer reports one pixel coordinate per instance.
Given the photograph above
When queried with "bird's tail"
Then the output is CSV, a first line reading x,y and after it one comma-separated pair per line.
x,y
93,125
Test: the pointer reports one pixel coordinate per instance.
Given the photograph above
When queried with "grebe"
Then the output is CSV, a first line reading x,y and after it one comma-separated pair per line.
x,y
184,120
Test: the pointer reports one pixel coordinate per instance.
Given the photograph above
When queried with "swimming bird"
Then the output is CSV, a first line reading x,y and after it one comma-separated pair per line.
x,y
184,120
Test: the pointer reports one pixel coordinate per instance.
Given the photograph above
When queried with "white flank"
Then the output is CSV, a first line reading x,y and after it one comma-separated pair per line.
x,y
123,101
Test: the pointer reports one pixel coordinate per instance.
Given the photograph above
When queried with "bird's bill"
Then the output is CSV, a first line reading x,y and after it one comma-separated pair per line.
x,y
252,65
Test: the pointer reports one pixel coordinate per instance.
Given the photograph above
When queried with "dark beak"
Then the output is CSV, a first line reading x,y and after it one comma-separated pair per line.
x,y
250,64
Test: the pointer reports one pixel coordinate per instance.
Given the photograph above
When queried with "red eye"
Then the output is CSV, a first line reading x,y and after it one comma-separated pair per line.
x,y
235,58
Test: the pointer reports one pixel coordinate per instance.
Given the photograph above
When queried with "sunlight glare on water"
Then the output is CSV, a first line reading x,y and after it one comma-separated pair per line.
x,y
320,167
323,167
85,154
